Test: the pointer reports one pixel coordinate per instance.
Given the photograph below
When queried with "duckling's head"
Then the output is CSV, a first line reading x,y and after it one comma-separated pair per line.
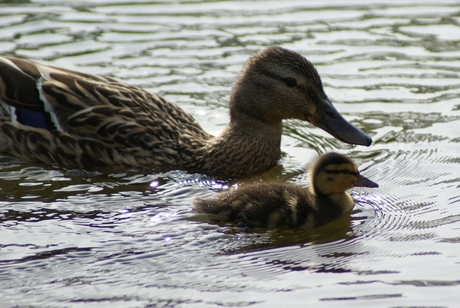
x,y
334,173
277,84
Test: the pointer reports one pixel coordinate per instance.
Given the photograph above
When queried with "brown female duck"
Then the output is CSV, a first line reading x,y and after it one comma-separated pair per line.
x,y
276,204
55,115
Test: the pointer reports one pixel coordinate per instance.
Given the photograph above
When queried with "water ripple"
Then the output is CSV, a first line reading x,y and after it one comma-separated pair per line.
x,y
129,237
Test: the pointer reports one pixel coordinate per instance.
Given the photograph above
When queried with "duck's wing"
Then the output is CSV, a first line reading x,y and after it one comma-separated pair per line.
x,y
59,111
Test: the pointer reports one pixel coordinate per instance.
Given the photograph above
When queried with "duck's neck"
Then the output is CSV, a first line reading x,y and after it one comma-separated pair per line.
x,y
331,206
246,147
343,200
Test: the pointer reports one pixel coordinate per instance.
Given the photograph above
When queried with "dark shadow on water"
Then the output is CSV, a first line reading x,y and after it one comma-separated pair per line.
x,y
266,239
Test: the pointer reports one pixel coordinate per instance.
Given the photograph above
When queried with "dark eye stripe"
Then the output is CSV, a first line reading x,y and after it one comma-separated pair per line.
x,y
343,171
290,82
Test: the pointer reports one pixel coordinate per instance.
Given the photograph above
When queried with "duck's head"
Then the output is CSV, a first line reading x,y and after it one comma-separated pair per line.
x,y
278,83
334,173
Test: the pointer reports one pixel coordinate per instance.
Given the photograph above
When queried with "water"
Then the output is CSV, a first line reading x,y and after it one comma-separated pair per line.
x,y
125,238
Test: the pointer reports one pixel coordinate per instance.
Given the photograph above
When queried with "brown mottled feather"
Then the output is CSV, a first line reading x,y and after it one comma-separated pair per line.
x,y
102,122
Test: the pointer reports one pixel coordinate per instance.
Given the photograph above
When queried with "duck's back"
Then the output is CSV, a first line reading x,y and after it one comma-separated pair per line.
x,y
83,119
266,205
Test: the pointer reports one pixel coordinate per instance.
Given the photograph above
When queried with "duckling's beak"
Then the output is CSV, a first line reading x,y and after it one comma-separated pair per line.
x,y
365,182
329,119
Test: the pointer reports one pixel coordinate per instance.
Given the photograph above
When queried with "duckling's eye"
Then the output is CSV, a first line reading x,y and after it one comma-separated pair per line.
x,y
290,82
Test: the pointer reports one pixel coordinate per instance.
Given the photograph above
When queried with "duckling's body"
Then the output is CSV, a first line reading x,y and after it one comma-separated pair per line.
x,y
54,115
276,204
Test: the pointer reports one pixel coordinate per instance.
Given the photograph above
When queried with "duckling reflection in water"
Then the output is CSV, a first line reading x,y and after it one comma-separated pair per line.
x,y
276,204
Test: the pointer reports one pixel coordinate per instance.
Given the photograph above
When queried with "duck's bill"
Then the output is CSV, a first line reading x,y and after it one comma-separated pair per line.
x,y
365,182
330,120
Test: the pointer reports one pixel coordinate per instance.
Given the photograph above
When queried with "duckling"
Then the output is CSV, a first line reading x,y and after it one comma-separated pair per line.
x,y
276,204
74,119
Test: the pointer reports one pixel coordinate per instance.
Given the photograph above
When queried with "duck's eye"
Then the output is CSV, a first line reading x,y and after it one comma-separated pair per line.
x,y
290,82
342,171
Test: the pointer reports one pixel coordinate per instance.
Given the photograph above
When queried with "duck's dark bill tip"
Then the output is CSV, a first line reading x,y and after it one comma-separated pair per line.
x,y
344,131
365,182
361,140
369,141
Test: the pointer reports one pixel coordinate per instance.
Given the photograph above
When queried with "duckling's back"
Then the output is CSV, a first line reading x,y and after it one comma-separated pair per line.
x,y
269,205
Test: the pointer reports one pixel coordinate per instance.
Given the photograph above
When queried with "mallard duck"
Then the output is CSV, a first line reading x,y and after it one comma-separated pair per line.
x,y
55,115
277,204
